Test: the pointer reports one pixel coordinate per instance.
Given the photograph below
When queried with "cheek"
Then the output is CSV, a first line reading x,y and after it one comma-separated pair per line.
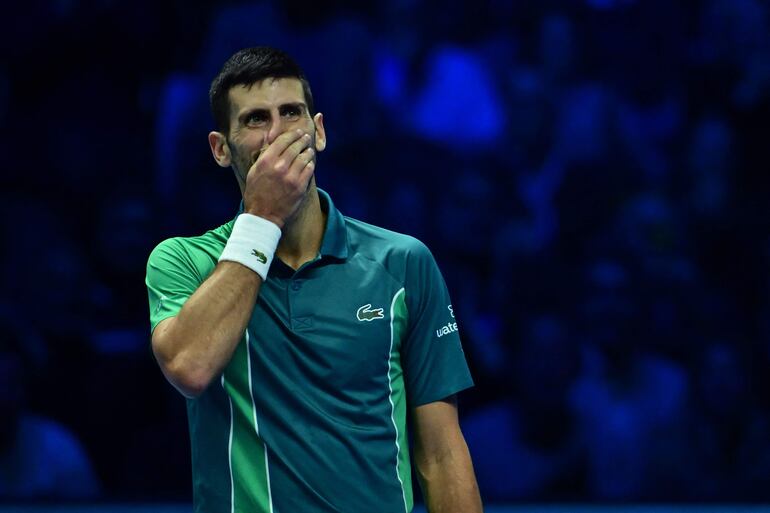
x,y
244,151
240,163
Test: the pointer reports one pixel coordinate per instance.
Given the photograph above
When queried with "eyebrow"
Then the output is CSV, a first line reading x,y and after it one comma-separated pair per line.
x,y
297,105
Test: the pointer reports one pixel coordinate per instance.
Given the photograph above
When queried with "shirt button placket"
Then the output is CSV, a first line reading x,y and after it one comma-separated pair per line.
x,y
298,318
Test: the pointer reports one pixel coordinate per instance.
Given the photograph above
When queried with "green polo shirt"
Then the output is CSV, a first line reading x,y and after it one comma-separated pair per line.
x,y
310,413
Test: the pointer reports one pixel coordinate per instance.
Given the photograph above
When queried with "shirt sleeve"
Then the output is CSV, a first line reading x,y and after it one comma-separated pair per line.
x,y
171,279
433,358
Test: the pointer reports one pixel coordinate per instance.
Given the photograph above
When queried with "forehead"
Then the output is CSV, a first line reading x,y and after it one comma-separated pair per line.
x,y
266,93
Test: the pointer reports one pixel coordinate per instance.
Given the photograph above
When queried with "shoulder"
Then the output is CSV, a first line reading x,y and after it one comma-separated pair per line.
x,y
208,244
377,242
187,257
405,258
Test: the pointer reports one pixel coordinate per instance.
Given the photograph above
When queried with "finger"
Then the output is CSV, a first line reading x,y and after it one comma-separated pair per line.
x,y
307,172
301,161
294,149
283,141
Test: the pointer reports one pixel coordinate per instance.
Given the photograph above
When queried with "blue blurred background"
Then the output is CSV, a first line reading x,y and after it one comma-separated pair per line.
x,y
591,175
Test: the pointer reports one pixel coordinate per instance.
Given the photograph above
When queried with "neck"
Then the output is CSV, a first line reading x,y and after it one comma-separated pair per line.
x,y
303,233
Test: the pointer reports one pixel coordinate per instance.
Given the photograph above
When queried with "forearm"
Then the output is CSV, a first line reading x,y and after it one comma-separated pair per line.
x,y
448,481
195,346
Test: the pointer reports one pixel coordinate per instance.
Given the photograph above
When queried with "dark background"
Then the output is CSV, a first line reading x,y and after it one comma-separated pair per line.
x,y
592,177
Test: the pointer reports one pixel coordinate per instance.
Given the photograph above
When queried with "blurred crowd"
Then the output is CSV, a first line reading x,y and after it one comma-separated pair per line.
x,y
592,177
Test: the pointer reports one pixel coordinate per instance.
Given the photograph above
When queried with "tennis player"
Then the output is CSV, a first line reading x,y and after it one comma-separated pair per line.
x,y
302,339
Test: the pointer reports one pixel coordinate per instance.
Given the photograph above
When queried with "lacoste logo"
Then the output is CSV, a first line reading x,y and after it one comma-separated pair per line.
x,y
260,256
365,313
160,303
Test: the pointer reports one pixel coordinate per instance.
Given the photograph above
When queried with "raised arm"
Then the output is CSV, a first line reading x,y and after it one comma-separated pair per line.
x,y
194,347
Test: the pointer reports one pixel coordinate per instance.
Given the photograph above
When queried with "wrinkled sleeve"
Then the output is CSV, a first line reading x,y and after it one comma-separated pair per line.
x,y
171,279
434,361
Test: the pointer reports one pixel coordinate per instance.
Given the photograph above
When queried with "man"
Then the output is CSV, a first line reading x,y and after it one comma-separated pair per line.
x,y
301,337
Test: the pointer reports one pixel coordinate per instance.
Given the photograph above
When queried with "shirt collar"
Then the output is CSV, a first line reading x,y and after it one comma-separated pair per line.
x,y
335,240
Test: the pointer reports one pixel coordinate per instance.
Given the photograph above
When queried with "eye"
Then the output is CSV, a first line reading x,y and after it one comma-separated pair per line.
x,y
256,118
291,111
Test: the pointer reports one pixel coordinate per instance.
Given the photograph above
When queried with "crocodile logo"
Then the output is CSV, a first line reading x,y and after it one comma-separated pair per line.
x,y
260,256
160,303
365,313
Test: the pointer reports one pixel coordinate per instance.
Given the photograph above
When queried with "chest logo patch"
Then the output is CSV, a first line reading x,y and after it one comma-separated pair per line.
x,y
366,313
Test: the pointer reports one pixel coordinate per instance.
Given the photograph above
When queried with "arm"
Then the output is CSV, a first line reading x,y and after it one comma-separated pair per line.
x,y
194,347
444,466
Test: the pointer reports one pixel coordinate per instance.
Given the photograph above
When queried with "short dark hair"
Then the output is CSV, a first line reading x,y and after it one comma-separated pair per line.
x,y
247,67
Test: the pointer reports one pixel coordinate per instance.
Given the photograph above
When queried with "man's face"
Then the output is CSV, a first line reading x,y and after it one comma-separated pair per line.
x,y
261,112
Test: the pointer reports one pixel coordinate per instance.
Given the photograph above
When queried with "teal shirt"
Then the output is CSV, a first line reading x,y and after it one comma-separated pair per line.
x,y
310,413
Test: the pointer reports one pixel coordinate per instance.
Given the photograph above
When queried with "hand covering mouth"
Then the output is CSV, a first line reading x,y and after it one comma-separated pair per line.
x,y
259,154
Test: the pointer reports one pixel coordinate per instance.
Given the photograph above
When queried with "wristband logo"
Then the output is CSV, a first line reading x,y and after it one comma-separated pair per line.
x,y
260,256
365,313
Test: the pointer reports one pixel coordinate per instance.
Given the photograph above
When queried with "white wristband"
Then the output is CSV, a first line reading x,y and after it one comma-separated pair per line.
x,y
252,243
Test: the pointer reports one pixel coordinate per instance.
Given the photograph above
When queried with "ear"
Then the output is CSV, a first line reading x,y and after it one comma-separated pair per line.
x,y
219,148
320,132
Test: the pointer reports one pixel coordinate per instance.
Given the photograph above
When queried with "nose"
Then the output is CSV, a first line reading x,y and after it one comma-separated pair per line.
x,y
276,127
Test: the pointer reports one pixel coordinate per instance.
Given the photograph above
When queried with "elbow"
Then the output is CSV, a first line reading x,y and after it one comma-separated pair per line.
x,y
189,377
190,380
